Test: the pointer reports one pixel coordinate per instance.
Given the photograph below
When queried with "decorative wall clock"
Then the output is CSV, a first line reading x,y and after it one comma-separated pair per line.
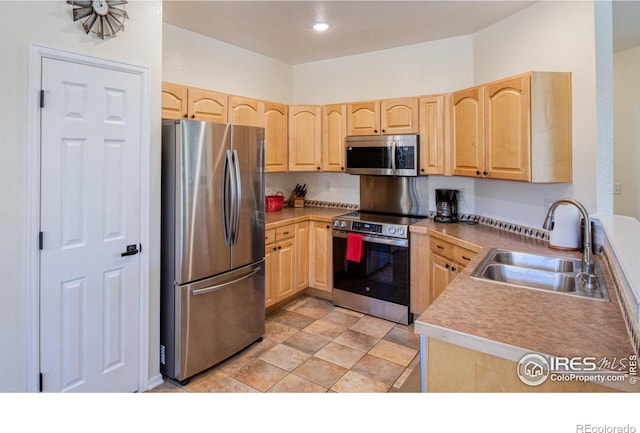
x,y
106,15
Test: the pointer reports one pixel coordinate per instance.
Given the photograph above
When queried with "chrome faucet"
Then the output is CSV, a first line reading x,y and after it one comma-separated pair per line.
x,y
588,266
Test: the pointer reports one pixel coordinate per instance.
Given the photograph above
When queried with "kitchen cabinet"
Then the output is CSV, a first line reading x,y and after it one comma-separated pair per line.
x,y
432,134
320,256
305,138
517,128
334,131
182,102
384,117
420,293
302,255
276,137
280,279
245,111
446,262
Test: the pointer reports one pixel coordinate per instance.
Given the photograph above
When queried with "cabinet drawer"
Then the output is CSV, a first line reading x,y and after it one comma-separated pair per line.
x,y
285,232
462,256
269,236
443,249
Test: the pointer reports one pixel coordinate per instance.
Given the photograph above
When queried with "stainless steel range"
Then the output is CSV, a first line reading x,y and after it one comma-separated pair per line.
x,y
371,252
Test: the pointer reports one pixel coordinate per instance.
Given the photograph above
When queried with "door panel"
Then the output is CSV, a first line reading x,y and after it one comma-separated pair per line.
x,y
90,213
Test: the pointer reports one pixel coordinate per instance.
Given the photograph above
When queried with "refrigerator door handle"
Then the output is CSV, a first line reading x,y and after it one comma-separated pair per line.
x,y
226,199
228,283
237,198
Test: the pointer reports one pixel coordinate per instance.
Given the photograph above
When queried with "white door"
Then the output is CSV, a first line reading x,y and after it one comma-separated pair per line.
x,y
90,215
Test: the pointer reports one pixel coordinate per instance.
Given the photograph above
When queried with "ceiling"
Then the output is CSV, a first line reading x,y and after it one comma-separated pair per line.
x,y
282,29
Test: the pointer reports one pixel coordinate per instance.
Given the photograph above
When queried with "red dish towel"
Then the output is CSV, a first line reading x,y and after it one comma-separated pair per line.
x,y
354,247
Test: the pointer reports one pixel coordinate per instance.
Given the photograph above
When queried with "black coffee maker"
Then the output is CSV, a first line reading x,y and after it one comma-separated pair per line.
x,y
446,206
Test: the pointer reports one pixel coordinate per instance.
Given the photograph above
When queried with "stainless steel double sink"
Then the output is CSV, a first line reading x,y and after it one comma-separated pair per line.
x,y
540,272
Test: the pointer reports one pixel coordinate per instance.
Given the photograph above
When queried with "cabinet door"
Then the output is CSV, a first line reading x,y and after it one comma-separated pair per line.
x,y
275,137
320,256
334,131
431,111
364,118
302,255
399,116
174,101
285,285
420,273
245,111
305,138
270,273
507,129
441,275
207,105
467,132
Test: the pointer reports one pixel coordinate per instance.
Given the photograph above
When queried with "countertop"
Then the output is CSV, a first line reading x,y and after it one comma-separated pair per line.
x,y
510,322
292,215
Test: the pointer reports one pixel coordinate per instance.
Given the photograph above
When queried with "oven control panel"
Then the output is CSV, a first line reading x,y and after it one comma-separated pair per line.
x,y
390,230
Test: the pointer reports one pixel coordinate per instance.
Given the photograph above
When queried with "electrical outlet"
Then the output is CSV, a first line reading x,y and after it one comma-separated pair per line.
x,y
327,186
617,188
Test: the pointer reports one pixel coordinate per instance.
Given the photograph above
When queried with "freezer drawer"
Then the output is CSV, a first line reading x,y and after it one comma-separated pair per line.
x,y
215,319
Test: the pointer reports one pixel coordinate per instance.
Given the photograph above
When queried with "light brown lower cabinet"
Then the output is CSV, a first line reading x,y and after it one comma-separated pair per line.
x,y
452,368
280,280
320,256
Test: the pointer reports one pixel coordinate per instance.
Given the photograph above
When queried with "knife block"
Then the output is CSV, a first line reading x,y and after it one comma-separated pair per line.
x,y
295,201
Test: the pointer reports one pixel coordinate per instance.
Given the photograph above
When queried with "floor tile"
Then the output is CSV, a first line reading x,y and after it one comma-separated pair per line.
x,y
232,385
373,326
277,331
284,357
350,312
356,340
203,382
339,354
315,307
379,369
355,382
340,318
393,352
296,303
404,337
293,383
308,343
260,375
324,329
319,371
235,363
290,318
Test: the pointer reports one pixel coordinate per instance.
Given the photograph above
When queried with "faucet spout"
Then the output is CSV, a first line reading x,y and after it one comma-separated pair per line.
x,y
587,254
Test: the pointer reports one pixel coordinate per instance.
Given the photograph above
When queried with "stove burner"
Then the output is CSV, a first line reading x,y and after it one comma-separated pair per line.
x,y
395,226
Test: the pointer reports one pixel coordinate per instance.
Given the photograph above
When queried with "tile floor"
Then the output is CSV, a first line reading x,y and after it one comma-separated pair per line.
x,y
310,345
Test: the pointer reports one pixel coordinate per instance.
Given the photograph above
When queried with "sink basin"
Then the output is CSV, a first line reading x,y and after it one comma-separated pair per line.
x,y
536,261
539,272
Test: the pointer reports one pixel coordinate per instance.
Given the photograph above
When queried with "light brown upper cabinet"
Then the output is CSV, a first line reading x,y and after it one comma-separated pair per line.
x,y
334,131
305,137
517,128
276,135
432,138
182,102
385,117
245,111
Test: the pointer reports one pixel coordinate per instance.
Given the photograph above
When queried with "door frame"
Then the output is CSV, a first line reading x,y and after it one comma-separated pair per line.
x,y
36,54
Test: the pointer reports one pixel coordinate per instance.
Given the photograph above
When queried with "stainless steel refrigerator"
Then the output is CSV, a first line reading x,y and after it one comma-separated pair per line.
x,y
212,259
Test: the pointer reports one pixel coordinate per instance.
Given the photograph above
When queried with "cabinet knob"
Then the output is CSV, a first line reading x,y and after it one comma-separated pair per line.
x,y
383,131
279,247
186,116
422,170
193,116
478,172
328,226
484,173
447,266
318,168
375,130
274,248
453,268
342,168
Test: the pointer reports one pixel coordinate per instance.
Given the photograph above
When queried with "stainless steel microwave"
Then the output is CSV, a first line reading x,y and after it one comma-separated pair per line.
x,y
382,155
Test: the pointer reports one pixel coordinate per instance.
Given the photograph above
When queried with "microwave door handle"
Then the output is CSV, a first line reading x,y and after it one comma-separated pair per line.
x,y
393,157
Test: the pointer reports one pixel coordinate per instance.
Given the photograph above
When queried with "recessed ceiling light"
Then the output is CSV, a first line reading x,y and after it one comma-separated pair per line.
x,y
320,27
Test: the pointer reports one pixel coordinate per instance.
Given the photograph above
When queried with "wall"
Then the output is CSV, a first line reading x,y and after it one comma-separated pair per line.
x,y
195,60
50,24
626,66
548,36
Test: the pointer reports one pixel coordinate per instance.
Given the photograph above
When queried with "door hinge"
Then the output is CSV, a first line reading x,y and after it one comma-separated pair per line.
x,y
41,379
41,240
42,98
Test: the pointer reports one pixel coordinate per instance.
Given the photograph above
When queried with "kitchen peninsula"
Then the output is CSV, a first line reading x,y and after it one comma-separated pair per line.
x,y
475,332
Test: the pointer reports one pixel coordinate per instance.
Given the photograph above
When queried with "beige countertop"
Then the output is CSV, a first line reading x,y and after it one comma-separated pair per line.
x,y
510,322
292,215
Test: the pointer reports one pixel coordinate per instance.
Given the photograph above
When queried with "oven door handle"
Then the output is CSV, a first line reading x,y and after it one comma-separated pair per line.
x,y
374,239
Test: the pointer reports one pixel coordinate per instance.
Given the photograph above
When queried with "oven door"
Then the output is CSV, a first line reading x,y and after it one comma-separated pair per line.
x,y
382,273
